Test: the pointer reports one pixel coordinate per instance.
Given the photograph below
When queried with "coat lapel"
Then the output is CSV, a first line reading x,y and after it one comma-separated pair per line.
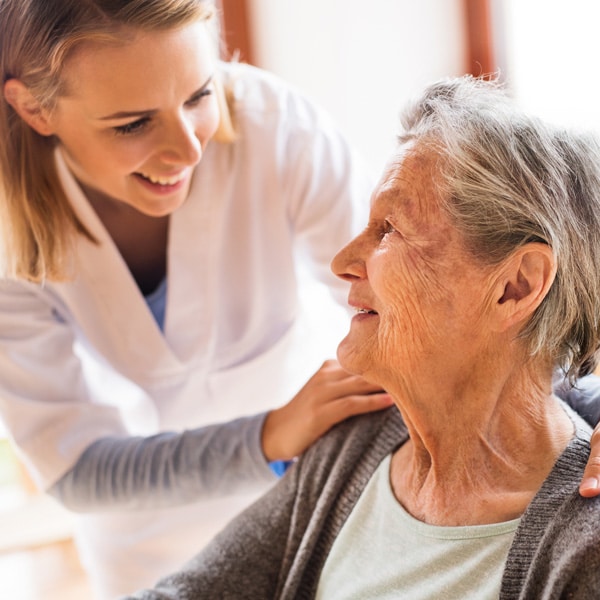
x,y
105,299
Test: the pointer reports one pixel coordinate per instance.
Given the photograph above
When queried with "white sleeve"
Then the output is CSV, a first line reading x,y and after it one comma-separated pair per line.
x,y
328,189
84,446
583,397
44,400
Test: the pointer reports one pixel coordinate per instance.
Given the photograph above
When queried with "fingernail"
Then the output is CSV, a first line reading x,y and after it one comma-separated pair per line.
x,y
589,483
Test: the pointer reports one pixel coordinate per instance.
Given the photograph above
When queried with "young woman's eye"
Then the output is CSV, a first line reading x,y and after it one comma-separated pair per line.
x,y
133,127
196,98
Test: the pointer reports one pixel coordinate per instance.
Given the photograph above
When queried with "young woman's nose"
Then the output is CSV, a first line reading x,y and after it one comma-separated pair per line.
x,y
181,144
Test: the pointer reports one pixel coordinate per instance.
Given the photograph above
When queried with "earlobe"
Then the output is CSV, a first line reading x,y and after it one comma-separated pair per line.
x,y
529,274
26,106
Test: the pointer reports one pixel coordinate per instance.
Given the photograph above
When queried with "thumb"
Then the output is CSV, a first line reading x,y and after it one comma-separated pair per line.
x,y
590,482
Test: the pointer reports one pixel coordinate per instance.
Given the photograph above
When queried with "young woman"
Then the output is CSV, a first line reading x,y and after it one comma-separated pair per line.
x,y
156,207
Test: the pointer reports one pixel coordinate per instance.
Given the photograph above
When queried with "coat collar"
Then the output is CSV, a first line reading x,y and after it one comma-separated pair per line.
x,y
119,303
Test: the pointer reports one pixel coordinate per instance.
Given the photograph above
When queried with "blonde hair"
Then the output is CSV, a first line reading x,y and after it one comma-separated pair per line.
x,y
37,223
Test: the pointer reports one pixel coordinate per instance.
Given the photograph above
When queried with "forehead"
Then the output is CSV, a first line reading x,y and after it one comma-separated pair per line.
x,y
409,185
140,61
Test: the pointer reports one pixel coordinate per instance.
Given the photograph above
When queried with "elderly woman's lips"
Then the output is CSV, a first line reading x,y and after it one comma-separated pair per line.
x,y
364,313
361,308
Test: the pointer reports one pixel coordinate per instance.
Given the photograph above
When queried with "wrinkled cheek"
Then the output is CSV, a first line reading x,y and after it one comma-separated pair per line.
x,y
401,335
408,326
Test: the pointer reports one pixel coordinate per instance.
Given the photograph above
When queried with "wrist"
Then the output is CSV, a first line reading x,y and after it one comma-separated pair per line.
x,y
270,437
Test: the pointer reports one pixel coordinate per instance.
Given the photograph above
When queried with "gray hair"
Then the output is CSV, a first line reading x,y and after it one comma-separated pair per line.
x,y
508,179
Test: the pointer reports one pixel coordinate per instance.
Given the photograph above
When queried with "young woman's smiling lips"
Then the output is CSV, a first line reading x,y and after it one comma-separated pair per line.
x,y
162,184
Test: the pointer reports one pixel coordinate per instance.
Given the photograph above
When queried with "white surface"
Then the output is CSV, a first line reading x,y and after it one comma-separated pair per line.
x,y
552,48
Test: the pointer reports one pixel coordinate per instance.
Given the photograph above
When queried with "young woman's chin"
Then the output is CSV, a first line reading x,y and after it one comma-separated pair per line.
x,y
159,205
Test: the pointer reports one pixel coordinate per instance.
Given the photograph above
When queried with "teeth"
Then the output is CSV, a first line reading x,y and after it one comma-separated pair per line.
x,y
165,180
365,311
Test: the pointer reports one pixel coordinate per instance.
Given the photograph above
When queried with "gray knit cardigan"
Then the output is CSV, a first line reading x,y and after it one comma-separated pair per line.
x,y
276,549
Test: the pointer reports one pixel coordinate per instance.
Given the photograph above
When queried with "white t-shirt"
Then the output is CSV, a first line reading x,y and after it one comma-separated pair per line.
x,y
383,552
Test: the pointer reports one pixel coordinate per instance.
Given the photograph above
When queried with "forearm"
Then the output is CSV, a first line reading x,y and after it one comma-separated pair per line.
x,y
166,469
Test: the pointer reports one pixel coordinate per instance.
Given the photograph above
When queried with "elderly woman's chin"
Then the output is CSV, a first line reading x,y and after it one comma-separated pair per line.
x,y
353,354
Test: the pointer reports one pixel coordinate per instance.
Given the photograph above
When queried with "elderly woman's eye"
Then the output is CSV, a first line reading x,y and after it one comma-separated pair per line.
x,y
388,227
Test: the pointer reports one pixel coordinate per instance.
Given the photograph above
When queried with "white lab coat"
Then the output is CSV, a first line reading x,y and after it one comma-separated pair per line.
x,y
85,359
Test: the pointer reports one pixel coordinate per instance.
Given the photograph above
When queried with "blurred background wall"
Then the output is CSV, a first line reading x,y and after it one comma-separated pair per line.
x,y
363,60
360,60
550,56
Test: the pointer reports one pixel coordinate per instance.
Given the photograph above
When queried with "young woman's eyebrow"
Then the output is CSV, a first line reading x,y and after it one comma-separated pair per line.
x,y
126,114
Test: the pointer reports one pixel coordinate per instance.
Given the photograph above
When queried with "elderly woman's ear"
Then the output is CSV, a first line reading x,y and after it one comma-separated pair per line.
x,y
526,279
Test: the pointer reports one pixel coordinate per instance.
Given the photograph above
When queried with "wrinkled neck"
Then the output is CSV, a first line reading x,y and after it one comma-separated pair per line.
x,y
479,448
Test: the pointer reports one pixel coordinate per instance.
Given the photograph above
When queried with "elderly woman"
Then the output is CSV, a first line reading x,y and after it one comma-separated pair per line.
x,y
475,280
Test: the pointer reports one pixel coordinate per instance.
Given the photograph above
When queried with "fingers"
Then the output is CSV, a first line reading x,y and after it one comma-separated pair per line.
x,y
289,430
336,382
355,385
331,395
351,406
590,483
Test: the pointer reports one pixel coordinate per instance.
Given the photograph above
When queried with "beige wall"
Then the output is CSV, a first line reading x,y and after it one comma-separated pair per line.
x,y
361,60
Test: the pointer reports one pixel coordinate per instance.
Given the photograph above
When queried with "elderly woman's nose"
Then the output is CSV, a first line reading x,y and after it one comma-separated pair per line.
x,y
347,263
